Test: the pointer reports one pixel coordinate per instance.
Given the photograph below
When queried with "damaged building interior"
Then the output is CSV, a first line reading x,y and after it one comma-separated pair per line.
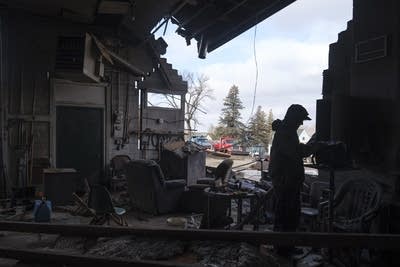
x,y
122,187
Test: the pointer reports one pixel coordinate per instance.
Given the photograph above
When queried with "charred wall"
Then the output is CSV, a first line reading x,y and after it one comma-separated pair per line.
x,y
2,113
361,85
31,91
26,89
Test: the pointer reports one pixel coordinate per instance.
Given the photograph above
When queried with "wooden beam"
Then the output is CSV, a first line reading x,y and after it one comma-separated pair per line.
x,y
114,7
322,240
62,258
113,58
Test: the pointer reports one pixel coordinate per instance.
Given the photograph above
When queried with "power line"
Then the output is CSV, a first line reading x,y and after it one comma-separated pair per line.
x,y
256,64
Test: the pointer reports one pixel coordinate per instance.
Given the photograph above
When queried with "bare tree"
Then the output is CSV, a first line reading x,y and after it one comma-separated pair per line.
x,y
198,92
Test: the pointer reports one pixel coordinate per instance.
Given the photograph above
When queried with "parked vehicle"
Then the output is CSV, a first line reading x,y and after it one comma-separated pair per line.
x,y
202,141
225,144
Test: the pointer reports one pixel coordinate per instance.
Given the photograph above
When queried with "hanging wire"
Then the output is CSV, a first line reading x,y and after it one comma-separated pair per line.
x,y
256,64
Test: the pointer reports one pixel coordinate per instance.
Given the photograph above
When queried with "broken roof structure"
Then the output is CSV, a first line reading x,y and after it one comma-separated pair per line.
x,y
66,56
84,82
213,23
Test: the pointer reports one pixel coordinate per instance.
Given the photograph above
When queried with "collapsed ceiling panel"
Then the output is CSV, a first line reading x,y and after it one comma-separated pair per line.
x,y
213,23
76,10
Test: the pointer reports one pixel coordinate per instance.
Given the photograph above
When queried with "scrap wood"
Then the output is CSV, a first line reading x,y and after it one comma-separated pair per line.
x,y
81,207
218,154
172,146
19,215
7,210
244,164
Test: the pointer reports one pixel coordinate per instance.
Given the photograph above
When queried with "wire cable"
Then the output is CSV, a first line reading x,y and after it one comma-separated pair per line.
x,y
256,65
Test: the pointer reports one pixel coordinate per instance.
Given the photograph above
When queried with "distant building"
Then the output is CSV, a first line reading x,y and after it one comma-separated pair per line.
x,y
304,134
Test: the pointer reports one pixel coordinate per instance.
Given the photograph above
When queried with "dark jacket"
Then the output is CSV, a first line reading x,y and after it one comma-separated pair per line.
x,y
286,157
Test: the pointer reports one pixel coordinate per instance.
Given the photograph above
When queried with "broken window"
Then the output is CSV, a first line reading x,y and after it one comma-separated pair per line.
x,y
164,100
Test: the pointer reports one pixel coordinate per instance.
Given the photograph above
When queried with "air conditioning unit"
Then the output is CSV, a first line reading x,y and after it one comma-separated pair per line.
x,y
371,49
77,59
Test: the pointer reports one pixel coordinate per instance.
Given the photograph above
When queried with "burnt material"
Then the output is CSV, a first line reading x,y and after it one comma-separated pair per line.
x,y
53,257
332,240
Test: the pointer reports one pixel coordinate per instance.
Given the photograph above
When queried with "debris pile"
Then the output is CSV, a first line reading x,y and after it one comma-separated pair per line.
x,y
207,253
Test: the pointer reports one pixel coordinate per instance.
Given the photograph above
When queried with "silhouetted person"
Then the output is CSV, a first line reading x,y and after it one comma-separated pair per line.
x,y
287,171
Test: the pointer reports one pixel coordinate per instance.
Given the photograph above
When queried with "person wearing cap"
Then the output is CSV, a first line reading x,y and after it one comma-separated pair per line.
x,y
287,171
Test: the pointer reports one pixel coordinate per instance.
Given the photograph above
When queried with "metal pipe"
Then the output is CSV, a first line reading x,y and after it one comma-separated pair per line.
x,y
111,86
142,103
125,136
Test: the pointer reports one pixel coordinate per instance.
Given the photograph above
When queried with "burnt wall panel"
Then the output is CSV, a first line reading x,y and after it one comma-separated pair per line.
x,y
145,59
24,145
337,78
160,126
41,140
30,72
30,66
31,60
371,136
378,76
3,102
124,123
163,119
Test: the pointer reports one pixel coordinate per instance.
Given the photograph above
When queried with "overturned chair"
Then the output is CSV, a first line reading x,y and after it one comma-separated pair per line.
x,y
148,189
104,210
221,173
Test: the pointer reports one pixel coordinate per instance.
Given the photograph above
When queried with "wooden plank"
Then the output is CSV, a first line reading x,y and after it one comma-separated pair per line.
x,y
61,258
113,7
323,240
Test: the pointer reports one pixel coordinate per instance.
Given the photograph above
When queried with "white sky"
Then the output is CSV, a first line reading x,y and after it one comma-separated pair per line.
x,y
291,50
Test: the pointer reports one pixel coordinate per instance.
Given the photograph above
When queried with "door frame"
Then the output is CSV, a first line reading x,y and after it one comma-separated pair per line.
x,y
76,103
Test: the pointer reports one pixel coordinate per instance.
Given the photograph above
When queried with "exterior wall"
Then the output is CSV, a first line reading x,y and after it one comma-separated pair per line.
x,y
31,91
30,48
377,78
363,94
337,83
338,75
3,141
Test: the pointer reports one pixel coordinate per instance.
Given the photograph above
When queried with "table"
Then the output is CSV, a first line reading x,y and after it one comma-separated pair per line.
x,y
59,184
221,197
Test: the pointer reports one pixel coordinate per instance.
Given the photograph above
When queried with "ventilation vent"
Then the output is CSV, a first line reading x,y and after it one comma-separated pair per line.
x,y
78,60
70,53
371,49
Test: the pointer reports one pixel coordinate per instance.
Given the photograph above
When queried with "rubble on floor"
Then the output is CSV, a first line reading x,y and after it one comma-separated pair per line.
x,y
206,253
138,248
